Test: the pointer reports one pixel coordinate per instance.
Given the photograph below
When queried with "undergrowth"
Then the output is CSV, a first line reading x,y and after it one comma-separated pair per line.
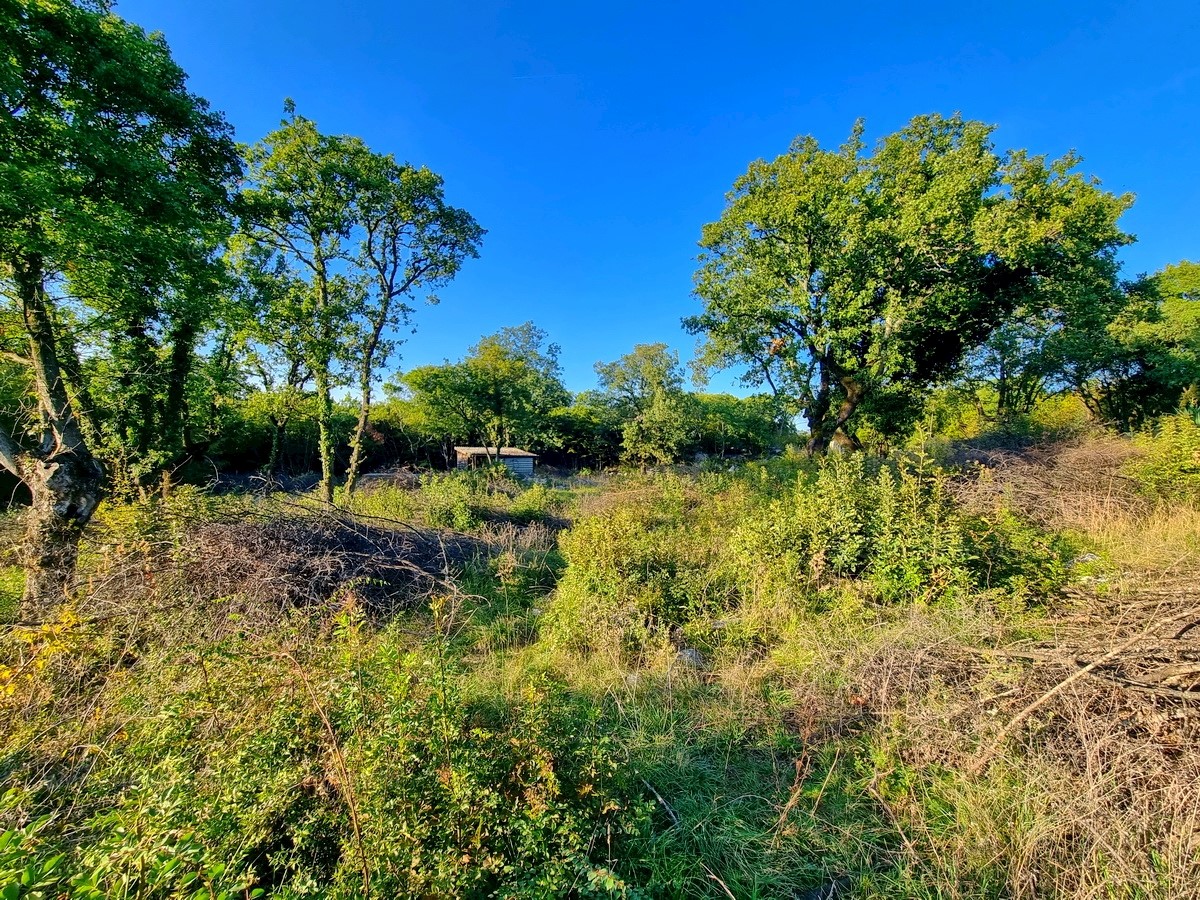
x,y
788,680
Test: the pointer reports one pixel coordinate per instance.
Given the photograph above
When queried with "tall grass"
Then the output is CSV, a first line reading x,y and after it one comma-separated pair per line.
x,y
795,680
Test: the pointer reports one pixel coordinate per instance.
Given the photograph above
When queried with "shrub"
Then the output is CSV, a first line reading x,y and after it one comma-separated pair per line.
x,y
894,530
641,568
384,501
12,586
535,504
450,501
309,778
1169,467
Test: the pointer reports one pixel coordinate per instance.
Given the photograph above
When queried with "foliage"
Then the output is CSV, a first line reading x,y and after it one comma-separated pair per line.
x,y
389,763
668,559
634,380
336,240
842,276
1141,362
114,198
897,530
587,432
645,388
1168,468
450,501
765,682
500,394
724,425
12,585
126,174
658,431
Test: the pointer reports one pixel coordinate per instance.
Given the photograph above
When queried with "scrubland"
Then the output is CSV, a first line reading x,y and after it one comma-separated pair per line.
x,y
965,669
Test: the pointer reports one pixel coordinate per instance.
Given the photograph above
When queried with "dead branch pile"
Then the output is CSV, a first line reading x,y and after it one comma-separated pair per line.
x,y
1060,485
248,571
306,561
1095,728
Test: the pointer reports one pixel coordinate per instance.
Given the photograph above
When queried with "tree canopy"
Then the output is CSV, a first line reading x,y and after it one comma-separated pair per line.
x,y
502,393
850,281
114,196
337,241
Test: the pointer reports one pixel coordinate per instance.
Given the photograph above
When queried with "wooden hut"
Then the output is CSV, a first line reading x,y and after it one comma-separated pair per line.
x,y
520,462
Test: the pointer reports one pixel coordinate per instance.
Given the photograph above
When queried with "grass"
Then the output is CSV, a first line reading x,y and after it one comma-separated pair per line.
x,y
12,585
654,685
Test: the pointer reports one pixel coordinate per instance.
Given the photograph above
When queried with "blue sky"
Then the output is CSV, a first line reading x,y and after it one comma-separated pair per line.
x,y
593,140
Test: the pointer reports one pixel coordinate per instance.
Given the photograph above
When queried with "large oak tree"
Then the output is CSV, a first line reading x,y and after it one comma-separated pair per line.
x,y
851,280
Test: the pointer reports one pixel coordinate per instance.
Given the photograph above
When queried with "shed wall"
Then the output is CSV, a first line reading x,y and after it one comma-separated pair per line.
x,y
519,465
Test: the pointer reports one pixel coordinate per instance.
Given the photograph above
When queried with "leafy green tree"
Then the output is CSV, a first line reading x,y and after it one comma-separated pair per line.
x,y
113,197
1015,368
1140,362
645,387
586,432
725,425
631,382
502,393
659,431
340,239
298,219
411,240
850,281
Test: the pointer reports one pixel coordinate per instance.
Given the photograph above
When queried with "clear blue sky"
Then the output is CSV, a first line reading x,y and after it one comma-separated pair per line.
x,y
593,140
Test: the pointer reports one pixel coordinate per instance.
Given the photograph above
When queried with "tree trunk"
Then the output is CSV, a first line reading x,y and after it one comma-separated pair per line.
x,y
819,434
67,488
824,428
364,417
278,428
356,442
175,405
325,430
66,481
364,383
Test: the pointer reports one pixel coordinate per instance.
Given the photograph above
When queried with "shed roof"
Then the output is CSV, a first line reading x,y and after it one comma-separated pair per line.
x,y
492,451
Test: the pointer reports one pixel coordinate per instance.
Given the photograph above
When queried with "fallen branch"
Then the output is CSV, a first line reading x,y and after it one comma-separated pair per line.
x,y
665,805
981,761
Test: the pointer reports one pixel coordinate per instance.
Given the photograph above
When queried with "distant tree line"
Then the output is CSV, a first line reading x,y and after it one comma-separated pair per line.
x,y
172,302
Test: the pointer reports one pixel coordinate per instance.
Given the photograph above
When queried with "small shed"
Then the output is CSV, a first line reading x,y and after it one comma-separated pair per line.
x,y
520,462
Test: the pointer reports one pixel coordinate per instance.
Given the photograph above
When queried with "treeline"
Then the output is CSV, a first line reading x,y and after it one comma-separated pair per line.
x,y
855,282
507,391
174,302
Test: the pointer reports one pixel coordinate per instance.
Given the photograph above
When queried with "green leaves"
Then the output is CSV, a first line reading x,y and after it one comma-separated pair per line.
x,y
838,276
501,393
336,242
114,197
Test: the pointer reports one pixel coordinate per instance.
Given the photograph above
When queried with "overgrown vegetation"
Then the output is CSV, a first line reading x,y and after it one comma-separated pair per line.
x,y
257,641
853,677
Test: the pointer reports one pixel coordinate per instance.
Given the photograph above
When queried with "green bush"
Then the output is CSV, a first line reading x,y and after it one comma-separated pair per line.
x,y
1169,466
310,779
535,504
384,501
12,586
641,568
450,501
895,531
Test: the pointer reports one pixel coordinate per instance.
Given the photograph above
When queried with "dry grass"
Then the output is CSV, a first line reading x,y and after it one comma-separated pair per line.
x,y
1072,485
